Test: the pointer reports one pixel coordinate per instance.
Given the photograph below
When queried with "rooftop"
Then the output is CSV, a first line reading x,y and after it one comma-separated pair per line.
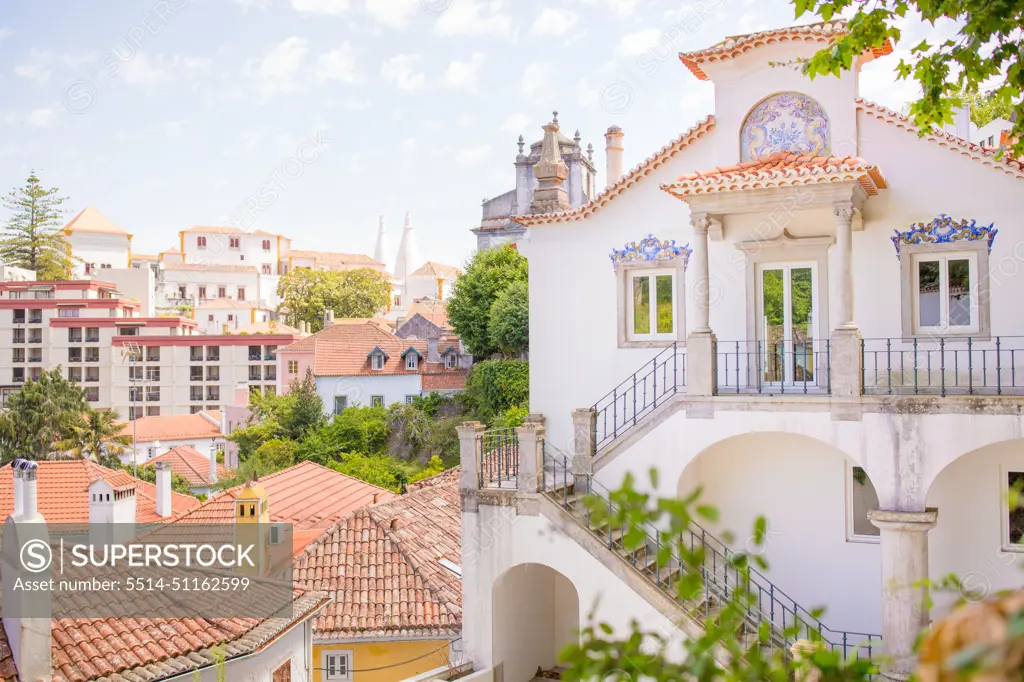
x,y
225,229
91,220
432,269
225,304
333,259
174,427
63,491
381,567
210,267
307,495
269,328
191,465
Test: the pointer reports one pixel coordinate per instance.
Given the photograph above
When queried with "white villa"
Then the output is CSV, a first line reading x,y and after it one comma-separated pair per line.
x,y
800,305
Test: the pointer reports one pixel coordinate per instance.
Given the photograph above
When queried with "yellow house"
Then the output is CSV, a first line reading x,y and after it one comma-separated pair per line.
x,y
393,572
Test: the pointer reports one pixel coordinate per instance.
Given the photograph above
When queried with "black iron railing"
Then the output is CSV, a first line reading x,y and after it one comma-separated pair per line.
x,y
499,457
661,564
774,367
943,366
640,394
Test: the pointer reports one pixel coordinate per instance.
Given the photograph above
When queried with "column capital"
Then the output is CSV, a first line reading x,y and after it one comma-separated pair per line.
x,y
700,222
843,211
904,521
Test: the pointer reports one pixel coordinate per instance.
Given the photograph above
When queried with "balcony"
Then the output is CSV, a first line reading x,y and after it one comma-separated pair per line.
x,y
18,338
35,319
255,374
92,374
92,395
195,374
213,393
94,356
213,354
153,395
77,338
19,319
255,353
195,354
35,357
75,357
213,373
268,352
18,356
92,335
270,373
36,338
153,354
195,394
778,367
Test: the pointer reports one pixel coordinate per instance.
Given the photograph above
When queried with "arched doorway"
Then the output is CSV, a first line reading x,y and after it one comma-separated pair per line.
x,y
978,538
536,613
820,549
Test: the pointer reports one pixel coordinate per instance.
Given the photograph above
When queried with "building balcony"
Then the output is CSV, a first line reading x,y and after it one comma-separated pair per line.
x,y
773,367
35,339
35,320
195,395
92,339
196,355
78,339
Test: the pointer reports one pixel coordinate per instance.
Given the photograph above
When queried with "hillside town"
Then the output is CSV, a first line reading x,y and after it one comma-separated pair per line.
x,y
745,409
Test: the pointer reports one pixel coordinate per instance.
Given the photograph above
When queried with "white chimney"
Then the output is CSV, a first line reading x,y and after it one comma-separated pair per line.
x,y
30,495
213,463
328,319
19,489
613,155
156,449
163,489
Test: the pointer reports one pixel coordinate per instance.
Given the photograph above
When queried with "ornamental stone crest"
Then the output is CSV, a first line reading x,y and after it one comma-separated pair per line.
x,y
650,248
944,230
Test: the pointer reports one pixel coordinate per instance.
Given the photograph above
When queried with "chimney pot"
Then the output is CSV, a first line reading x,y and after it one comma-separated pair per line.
x,y
163,490
396,523
213,463
30,495
613,154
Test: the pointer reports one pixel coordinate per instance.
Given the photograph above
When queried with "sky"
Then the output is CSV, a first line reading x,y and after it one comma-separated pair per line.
x,y
311,118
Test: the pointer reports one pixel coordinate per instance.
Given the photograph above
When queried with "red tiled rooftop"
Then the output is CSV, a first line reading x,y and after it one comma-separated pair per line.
x,y
190,464
306,495
381,566
444,382
174,427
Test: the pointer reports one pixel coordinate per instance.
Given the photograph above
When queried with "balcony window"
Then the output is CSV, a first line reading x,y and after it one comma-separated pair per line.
x,y
270,373
35,317
135,393
18,336
152,411
213,352
92,334
195,393
213,373
254,373
153,394
213,392
75,374
202,293
269,390
35,335
241,293
254,353
35,373
74,335
18,375
153,353
195,373
134,412
92,394
68,312
43,294
195,409
19,315
152,374
19,355
222,292
92,374
92,354
182,293
134,373
35,354
268,352
195,354
128,331
74,354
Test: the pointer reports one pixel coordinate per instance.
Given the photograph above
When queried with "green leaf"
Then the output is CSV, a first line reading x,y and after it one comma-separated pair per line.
x,y
707,512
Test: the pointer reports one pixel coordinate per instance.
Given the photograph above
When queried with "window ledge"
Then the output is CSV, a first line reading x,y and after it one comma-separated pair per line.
x,y
955,336
659,343
865,539
1012,549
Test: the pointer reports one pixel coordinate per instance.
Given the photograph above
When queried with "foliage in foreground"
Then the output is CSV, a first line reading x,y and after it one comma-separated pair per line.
x,y
987,50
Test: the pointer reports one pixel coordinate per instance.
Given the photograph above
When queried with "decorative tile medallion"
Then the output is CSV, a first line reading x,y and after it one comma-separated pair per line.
x,y
787,122
944,230
650,248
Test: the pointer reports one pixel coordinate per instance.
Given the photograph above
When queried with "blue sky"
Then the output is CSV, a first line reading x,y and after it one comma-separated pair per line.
x,y
312,117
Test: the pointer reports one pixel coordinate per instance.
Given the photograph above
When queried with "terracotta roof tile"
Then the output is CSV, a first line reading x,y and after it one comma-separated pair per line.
x,y
381,566
174,427
227,229
783,169
432,269
442,382
91,220
306,495
331,259
63,498
225,304
191,465
446,477
432,309
733,46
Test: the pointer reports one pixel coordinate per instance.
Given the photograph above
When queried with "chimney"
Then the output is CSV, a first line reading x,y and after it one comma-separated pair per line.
x,y
613,154
163,490
19,489
213,463
550,170
432,353
26,615
328,319
224,328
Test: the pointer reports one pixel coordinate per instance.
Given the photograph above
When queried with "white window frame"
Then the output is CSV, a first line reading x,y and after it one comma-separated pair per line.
x,y
411,361
345,654
409,399
1004,510
293,367
651,274
977,252
624,273
376,361
376,401
848,484
344,403
943,328
451,361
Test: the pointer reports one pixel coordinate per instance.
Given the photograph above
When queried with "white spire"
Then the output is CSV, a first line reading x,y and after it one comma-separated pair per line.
x,y
408,260
383,248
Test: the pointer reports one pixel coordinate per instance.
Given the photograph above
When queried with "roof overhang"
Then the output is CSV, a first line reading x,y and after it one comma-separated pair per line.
x,y
411,349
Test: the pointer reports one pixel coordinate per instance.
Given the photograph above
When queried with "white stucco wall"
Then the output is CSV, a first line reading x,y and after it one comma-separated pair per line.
x,y
361,389
295,645
98,249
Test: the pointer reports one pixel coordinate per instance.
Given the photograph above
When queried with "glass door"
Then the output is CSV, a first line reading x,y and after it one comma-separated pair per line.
x,y
787,323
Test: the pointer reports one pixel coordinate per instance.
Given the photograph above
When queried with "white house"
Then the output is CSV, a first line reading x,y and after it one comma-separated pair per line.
x,y
96,243
804,307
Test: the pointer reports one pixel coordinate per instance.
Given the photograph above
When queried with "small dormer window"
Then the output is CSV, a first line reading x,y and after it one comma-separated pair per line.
x,y
376,361
451,361
411,361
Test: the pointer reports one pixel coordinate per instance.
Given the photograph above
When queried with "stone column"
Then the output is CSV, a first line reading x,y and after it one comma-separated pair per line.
x,y
904,540
531,456
584,445
845,343
469,454
701,357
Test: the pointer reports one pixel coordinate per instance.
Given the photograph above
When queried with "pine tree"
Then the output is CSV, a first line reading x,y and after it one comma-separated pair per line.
x,y
33,239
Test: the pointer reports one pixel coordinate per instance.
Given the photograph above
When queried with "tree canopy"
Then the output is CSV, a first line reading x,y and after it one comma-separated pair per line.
x,y
488,274
984,58
509,324
46,413
307,294
32,238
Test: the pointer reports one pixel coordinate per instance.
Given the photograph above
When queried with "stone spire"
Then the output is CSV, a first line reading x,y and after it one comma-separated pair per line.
x,y
383,248
408,260
550,171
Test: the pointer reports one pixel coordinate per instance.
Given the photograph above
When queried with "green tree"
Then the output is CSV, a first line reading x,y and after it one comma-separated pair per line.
x,y
493,386
33,238
272,455
434,467
488,273
147,473
41,416
376,470
96,437
509,323
987,49
306,411
986,107
307,294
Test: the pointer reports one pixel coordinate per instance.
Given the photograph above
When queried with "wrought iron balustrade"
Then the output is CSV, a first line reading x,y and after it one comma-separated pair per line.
x,y
774,367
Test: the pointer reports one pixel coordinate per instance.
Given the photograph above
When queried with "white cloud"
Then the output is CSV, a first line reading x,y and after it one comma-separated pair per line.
x,y
514,123
141,71
357,104
41,118
392,13
464,75
338,64
475,18
404,71
334,8
473,155
277,72
554,21
466,121
536,83
622,8
6,32
638,42
35,71
408,145
253,139
246,5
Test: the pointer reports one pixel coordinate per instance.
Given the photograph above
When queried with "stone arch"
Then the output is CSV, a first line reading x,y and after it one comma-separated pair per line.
x,y
785,122
536,612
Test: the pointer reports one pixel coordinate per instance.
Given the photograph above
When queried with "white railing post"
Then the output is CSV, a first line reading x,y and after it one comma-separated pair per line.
x,y
470,451
531,456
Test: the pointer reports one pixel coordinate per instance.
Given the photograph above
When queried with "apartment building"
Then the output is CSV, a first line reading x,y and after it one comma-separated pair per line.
x,y
137,366
803,306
